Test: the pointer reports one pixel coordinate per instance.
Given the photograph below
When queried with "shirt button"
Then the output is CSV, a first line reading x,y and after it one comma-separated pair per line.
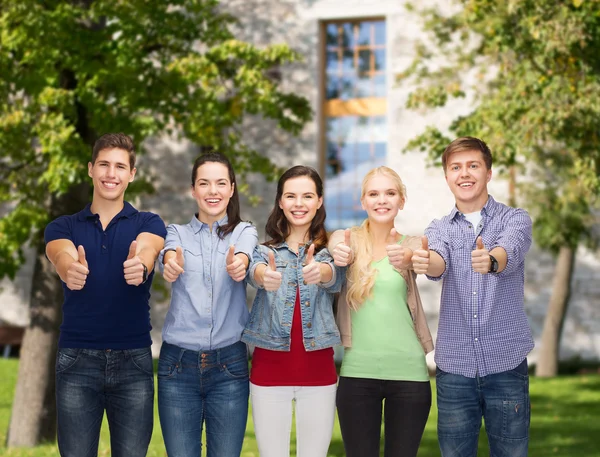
x,y
475,316
476,339
309,325
307,303
103,247
474,293
312,344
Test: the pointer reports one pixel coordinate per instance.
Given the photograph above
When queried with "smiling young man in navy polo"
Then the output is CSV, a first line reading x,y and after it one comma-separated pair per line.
x,y
105,257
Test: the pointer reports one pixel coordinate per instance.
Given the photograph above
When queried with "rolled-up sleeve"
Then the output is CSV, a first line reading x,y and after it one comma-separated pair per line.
x,y
436,239
260,255
338,273
515,239
172,241
247,241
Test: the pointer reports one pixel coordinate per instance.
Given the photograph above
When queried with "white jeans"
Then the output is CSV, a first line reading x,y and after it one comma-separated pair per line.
x,y
272,415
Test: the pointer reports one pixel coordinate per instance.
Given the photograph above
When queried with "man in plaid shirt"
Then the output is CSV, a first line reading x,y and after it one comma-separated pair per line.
x,y
483,339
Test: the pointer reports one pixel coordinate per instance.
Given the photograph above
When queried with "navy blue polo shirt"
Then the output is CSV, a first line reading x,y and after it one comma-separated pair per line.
x,y
107,313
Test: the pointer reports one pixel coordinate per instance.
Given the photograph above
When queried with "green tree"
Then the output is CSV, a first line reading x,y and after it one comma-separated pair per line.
x,y
72,70
534,69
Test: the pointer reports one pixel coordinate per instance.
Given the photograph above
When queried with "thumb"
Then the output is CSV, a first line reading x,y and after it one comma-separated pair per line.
x,y
81,256
347,237
272,261
480,243
230,254
132,249
310,254
179,256
393,236
424,243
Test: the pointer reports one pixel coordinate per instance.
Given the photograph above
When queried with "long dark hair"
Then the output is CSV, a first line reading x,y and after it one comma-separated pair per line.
x,y
277,227
233,207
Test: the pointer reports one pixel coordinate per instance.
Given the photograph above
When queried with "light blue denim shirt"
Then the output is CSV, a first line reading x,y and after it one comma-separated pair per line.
x,y
270,323
208,309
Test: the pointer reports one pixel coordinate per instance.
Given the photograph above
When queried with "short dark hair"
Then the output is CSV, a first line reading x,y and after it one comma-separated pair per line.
x,y
278,228
467,143
233,207
115,141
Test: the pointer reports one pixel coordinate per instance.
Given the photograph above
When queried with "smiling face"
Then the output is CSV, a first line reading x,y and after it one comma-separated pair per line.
x,y
212,190
467,176
111,174
299,202
381,199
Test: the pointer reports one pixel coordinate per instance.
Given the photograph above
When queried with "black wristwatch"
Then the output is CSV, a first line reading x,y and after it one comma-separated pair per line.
x,y
493,265
145,274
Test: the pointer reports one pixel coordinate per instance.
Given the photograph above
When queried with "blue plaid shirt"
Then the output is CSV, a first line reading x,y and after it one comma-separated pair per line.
x,y
483,327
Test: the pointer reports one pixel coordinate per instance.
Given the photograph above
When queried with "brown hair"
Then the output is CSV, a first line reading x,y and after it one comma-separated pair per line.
x,y
115,141
467,143
277,227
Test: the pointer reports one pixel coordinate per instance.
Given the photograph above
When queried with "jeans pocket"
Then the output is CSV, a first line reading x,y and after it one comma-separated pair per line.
x,y
515,419
236,369
66,358
142,360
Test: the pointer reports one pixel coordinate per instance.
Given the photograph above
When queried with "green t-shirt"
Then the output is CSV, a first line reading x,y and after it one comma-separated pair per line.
x,y
384,342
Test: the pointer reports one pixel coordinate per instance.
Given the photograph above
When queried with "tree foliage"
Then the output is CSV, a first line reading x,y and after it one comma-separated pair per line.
x,y
534,69
72,70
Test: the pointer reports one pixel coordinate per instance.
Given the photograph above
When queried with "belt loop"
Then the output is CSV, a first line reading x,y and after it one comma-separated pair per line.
x,y
218,356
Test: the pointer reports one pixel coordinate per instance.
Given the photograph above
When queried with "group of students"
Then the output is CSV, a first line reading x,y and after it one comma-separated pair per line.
x,y
105,256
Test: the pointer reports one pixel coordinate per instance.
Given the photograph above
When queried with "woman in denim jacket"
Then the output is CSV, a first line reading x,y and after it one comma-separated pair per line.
x,y
292,324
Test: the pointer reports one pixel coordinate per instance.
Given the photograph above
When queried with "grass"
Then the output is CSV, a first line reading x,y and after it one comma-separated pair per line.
x,y
564,422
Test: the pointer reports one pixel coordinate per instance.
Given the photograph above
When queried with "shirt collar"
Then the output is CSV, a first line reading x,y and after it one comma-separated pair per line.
x,y
197,225
127,211
487,210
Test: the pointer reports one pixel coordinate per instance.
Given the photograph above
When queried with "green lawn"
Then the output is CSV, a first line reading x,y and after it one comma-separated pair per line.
x,y
564,423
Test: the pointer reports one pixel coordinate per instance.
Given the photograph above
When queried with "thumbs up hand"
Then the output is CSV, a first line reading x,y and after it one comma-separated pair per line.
x,y
312,270
174,266
420,258
78,271
133,268
271,277
480,258
234,265
342,252
398,256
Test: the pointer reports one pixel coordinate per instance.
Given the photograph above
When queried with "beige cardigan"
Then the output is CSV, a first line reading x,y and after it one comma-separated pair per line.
x,y
343,318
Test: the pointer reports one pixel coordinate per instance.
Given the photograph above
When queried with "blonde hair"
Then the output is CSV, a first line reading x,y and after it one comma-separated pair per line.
x,y
361,277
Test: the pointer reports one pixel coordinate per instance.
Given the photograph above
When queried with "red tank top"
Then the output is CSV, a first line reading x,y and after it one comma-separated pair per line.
x,y
298,367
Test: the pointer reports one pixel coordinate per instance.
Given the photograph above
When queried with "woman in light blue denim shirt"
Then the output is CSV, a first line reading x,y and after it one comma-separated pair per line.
x,y
291,324
203,365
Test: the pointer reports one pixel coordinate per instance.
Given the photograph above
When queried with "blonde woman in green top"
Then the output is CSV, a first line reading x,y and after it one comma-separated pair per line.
x,y
384,369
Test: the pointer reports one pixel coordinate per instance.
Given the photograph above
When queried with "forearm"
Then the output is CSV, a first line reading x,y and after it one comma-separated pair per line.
x,y
259,275
62,262
326,272
500,255
437,266
148,256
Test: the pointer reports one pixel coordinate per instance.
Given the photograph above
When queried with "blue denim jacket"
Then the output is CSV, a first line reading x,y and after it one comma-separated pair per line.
x,y
270,321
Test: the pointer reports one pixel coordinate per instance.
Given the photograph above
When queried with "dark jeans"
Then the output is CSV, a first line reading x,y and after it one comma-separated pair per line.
x,y
91,381
359,405
502,399
197,387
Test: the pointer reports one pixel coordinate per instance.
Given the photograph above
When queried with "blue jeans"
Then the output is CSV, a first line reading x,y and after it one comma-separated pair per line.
x,y
196,387
502,399
91,381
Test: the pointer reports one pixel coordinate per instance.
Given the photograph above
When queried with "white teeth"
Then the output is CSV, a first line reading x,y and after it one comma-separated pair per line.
x,y
467,184
110,184
212,201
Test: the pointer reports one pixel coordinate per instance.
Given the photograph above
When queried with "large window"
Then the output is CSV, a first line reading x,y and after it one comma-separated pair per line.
x,y
354,113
